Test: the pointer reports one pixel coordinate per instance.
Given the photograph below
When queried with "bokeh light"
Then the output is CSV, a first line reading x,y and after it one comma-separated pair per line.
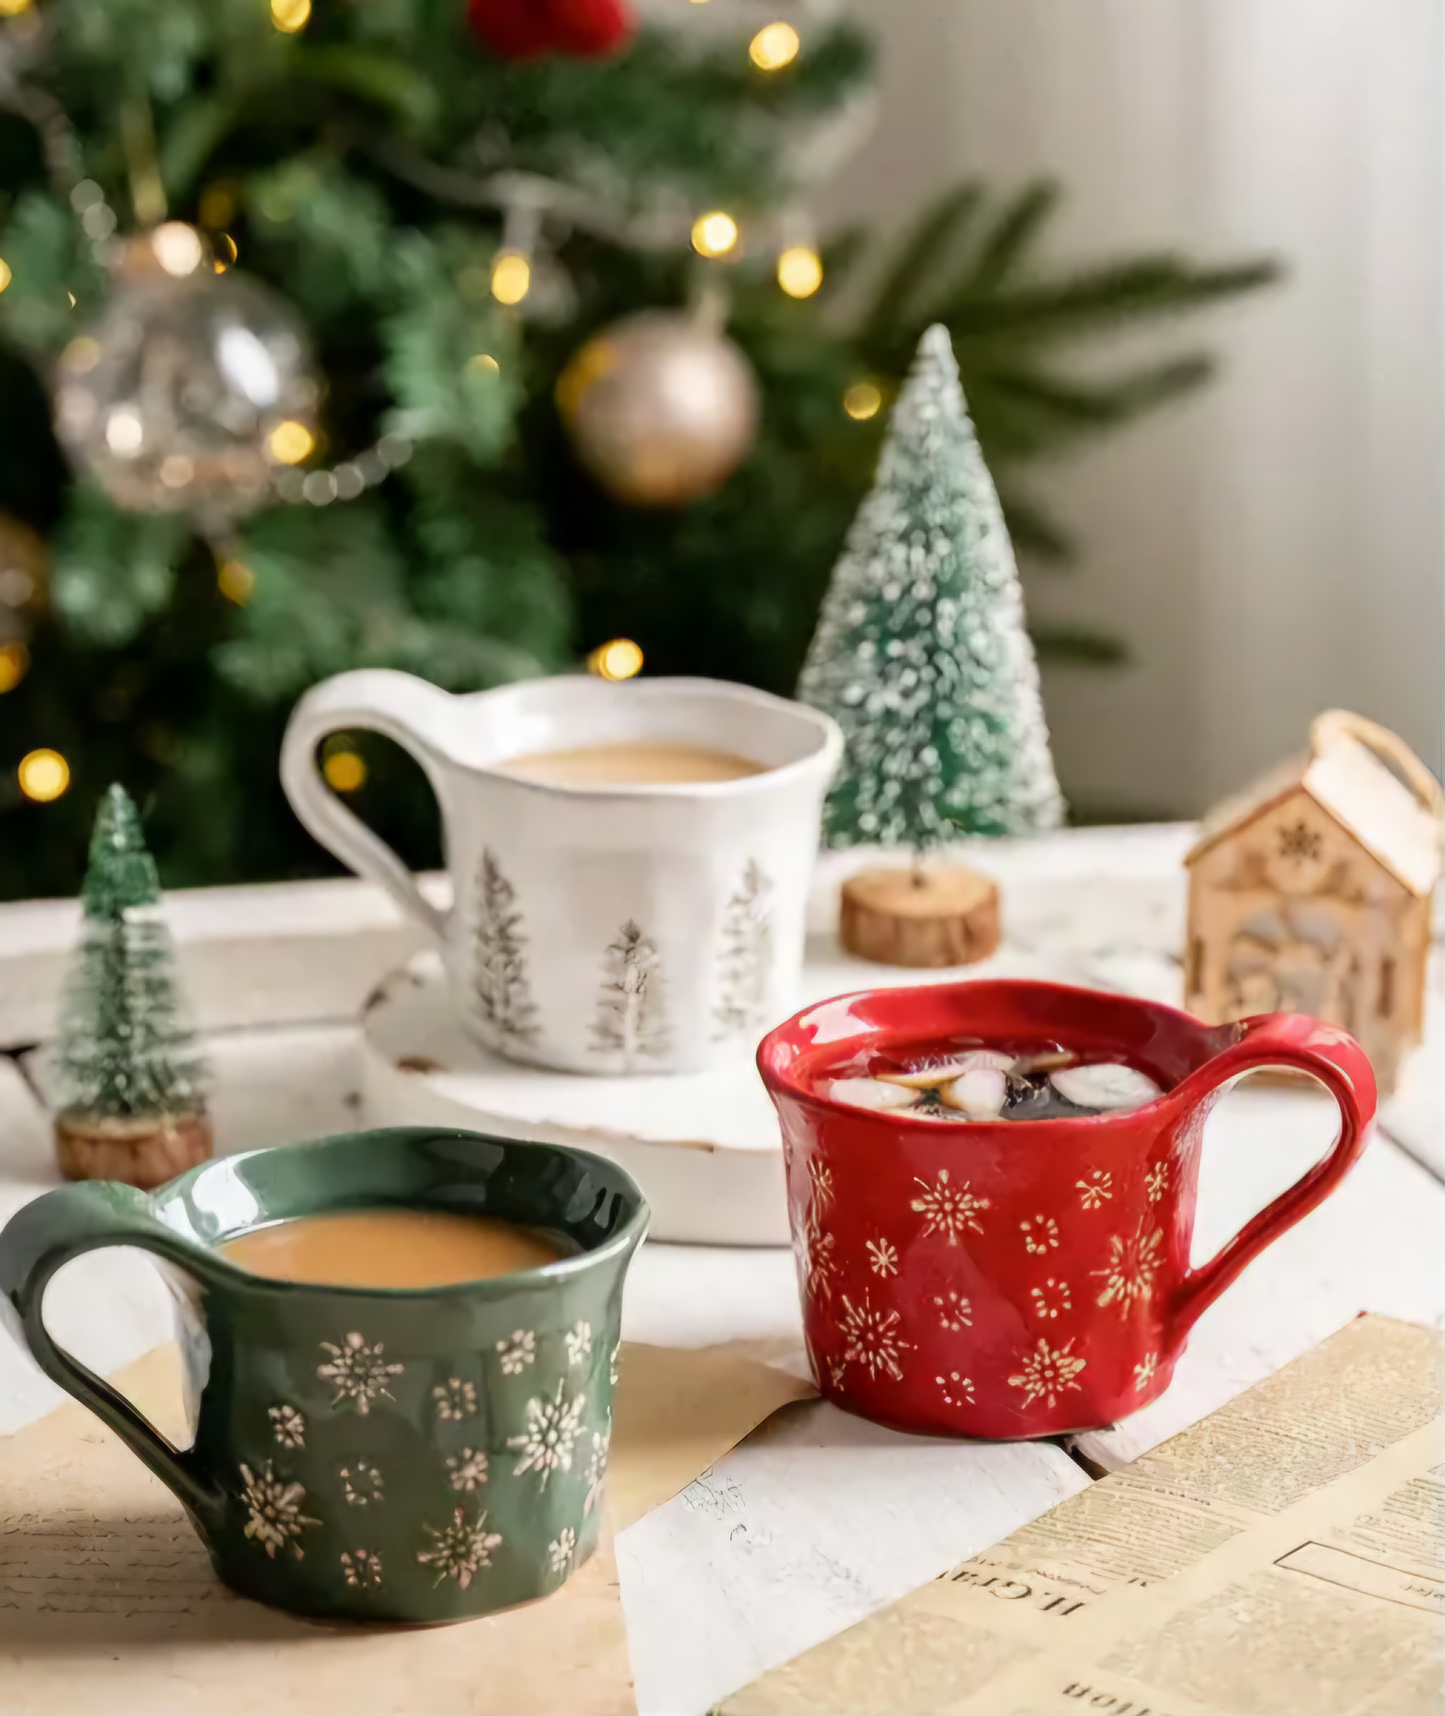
x,y
511,277
800,271
290,442
236,581
43,775
14,660
289,16
774,46
619,659
485,362
345,771
862,400
177,248
4,274
714,234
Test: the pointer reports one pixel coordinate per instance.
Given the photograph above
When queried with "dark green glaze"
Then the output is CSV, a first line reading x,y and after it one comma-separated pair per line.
x,y
397,1392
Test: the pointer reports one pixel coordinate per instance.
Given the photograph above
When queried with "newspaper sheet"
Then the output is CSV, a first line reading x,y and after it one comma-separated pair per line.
x,y
1282,1558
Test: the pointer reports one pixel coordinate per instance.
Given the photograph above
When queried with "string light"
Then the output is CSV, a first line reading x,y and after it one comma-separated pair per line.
x,y
714,234
5,276
14,660
226,252
13,8
511,277
620,659
862,400
345,771
43,775
484,361
290,442
177,248
800,271
235,580
289,16
774,46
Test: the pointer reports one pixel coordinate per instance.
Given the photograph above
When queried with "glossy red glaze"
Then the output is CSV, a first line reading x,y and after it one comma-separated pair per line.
x,y
1011,1279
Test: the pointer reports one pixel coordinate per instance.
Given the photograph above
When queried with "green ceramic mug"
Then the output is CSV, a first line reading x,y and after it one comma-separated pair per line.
x,y
422,1454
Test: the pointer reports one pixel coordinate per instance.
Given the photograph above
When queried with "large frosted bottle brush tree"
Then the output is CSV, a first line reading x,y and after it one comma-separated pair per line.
x,y
922,656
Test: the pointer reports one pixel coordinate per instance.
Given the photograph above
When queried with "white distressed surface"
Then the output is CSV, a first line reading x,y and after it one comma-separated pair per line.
x,y
818,1518
1377,1244
812,1523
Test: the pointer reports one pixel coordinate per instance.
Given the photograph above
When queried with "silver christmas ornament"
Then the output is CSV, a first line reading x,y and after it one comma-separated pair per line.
x,y
191,391
661,407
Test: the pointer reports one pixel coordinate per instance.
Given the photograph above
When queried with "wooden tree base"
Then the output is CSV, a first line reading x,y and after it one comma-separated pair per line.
x,y
920,918
141,1153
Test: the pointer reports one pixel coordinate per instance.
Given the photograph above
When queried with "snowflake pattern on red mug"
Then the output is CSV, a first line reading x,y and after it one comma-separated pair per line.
x,y
872,1338
1041,1234
1134,1261
951,1210
1047,1372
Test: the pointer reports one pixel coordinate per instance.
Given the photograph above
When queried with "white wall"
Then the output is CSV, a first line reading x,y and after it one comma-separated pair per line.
x,y
1277,545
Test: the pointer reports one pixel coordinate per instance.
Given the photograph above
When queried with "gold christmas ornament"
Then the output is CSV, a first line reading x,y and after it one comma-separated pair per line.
x,y
661,407
174,398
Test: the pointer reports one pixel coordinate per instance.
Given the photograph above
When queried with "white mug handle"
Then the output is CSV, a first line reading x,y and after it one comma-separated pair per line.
x,y
419,717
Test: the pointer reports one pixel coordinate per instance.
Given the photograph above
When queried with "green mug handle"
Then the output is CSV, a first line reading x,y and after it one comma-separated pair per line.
x,y
36,1242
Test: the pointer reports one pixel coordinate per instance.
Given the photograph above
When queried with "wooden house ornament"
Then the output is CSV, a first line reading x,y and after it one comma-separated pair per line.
x,y
1311,892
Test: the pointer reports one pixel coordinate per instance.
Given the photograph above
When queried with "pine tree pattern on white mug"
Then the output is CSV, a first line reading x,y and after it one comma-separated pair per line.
x,y
630,1024
745,965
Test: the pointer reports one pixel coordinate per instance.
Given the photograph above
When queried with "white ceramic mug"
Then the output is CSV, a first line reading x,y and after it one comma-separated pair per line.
x,y
642,928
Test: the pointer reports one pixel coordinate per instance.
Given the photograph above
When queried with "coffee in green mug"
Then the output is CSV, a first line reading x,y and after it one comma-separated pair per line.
x,y
415,1454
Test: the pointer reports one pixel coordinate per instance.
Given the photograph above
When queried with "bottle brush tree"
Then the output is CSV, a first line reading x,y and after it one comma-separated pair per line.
x,y
128,1075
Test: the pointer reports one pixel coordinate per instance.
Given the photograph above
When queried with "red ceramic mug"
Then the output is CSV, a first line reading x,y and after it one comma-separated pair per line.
x,y
1009,1279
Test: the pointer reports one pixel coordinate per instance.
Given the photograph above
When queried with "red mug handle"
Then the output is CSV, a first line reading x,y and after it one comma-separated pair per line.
x,y
1341,1065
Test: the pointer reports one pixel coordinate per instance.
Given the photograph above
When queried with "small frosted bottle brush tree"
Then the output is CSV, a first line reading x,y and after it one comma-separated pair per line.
x,y
128,1075
922,656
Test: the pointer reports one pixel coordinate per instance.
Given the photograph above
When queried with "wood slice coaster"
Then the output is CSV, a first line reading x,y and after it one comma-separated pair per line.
x,y
144,1153
925,918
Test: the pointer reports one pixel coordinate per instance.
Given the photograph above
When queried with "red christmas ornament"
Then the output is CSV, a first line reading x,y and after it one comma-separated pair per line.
x,y
526,29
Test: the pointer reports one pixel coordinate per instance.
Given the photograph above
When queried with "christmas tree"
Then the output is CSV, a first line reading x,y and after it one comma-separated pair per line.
x,y
504,994
398,179
629,1022
921,653
123,1052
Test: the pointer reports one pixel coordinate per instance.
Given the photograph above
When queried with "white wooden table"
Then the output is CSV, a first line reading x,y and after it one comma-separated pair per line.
x,y
818,1518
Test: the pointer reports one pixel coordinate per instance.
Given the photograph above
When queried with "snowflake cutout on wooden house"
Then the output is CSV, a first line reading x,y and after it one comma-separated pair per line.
x,y
358,1372
1047,1372
872,1338
950,1209
460,1549
1134,1261
273,1510
552,1429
